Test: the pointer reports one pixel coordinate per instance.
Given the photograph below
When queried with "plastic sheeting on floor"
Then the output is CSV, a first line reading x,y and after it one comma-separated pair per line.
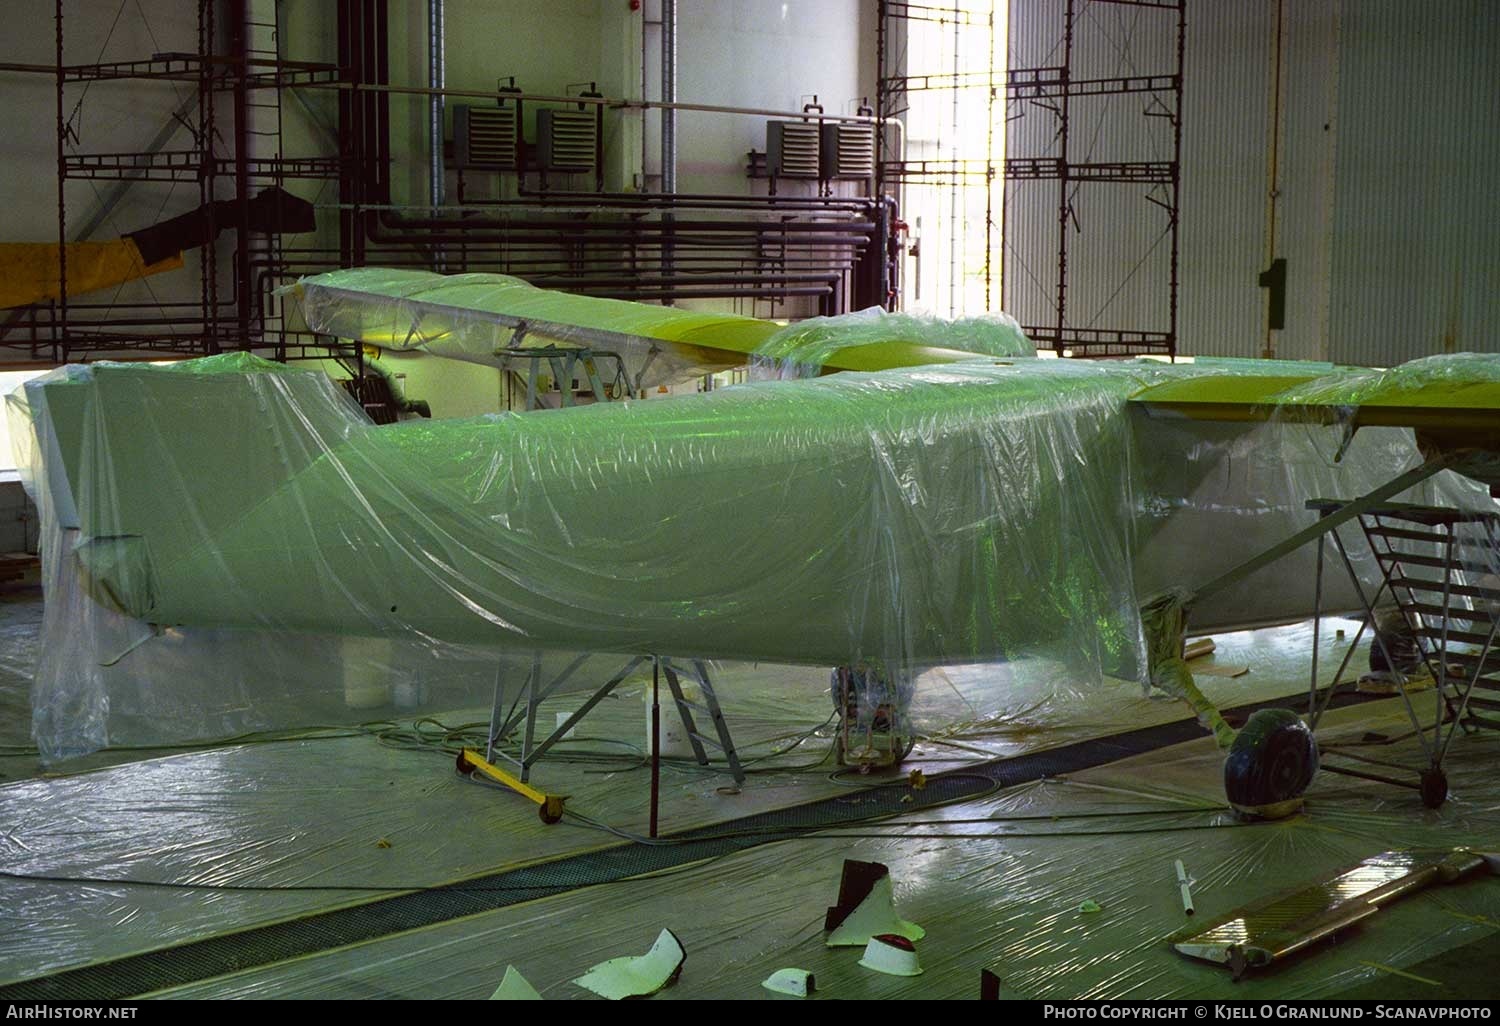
x,y
228,838
314,813
997,884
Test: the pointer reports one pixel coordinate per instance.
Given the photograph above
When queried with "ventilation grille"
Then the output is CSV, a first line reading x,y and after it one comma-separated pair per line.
x,y
848,151
792,149
567,140
484,137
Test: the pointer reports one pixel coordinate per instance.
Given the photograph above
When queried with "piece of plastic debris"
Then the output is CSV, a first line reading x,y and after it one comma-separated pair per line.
x,y
637,975
855,882
514,987
796,982
893,955
382,843
874,916
1090,906
1185,885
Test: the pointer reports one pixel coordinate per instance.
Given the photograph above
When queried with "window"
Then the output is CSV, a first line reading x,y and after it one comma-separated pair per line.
x,y
9,382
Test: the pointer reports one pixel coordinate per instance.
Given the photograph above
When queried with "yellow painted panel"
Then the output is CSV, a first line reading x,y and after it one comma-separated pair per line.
x,y
28,270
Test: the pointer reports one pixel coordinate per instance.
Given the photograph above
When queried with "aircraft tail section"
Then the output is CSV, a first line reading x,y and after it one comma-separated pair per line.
x,y
140,462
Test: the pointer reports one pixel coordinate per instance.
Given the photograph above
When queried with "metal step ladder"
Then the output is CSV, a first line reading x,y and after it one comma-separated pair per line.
x,y
708,707
1441,568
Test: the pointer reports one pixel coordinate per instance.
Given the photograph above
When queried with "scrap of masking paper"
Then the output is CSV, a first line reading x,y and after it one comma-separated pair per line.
x,y
874,916
796,982
514,988
637,975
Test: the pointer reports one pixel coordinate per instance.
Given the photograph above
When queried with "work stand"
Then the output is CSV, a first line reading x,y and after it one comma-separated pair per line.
x,y
1438,566
521,715
565,362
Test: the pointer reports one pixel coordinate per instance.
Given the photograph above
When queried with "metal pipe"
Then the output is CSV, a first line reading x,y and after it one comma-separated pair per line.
x,y
655,736
239,47
614,102
668,96
594,200
466,225
382,109
437,74
61,329
668,117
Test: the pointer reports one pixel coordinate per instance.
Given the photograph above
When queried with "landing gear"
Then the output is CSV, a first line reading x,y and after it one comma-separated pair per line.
x,y
1434,787
1270,765
873,732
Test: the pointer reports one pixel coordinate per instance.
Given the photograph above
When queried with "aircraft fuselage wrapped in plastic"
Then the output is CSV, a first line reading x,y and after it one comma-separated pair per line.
x,y
947,514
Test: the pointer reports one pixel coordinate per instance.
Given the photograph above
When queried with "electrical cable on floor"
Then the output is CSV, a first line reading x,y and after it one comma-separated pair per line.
x,y
316,732
582,819
429,734
1034,835
797,833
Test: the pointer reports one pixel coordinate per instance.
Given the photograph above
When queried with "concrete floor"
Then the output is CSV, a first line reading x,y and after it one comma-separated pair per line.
x,y
141,852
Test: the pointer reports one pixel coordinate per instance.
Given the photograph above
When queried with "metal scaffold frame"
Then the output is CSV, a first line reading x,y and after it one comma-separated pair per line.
x,y
895,82
245,68
829,253
1054,87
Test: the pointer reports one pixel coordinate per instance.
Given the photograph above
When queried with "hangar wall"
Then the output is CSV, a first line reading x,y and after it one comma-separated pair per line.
x,y
1358,115
1339,136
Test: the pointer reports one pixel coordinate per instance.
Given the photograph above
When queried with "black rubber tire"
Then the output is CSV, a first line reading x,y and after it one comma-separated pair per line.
x,y
1273,760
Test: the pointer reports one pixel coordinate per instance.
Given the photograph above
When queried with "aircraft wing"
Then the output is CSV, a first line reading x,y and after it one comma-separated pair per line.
x,y
1373,399
1452,402
486,318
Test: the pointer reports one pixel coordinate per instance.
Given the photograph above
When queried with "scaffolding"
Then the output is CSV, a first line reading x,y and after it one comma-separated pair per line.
x,y
1072,89
231,115
955,179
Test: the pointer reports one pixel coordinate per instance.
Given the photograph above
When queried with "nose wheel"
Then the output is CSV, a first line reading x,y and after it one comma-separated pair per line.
x,y
885,740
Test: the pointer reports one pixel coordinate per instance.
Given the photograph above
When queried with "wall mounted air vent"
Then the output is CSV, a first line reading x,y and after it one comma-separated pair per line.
x,y
484,137
566,140
848,151
792,149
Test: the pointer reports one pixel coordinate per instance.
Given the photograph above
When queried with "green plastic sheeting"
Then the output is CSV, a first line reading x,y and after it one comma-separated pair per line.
x,y
237,527
945,515
807,348
472,316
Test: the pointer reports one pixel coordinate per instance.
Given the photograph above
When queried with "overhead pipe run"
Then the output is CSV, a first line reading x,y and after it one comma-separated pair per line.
x,y
833,247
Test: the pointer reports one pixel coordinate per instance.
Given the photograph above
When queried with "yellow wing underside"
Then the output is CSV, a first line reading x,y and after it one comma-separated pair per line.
x,y
1452,403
